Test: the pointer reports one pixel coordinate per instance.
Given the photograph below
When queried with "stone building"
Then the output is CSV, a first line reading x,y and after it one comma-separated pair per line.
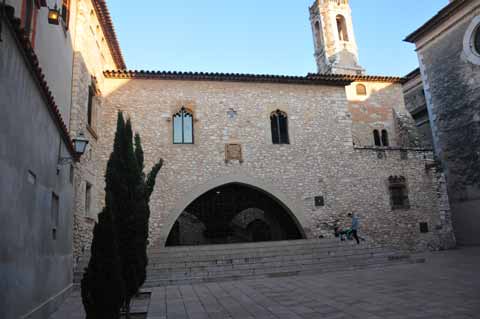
x,y
51,72
95,49
247,157
448,48
264,157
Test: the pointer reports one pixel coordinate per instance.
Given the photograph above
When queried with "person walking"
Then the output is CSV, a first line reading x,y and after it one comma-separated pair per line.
x,y
355,225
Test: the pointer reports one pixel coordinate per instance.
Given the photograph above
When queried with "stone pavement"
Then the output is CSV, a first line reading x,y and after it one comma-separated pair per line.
x,y
446,286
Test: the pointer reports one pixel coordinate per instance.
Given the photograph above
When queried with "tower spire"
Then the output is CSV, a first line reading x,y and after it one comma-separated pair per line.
x,y
334,40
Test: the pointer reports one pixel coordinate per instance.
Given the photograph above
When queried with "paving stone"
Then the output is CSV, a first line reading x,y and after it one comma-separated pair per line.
x,y
447,286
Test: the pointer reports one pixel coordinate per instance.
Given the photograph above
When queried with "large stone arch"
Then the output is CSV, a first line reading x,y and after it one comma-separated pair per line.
x,y
293,206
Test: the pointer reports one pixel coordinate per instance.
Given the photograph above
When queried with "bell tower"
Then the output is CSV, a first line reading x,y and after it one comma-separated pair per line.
x,y
335,46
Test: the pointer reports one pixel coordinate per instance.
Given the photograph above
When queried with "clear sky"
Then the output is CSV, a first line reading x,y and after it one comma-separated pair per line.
x,y
260,36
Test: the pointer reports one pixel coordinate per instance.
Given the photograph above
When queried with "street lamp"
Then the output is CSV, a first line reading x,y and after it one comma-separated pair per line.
x,y
80,145
53,15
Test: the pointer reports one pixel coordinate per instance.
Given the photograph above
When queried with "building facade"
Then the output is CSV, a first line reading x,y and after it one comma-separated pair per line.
x,y
36,190
51,74
318,176
314,148
448,48
361,119
246,157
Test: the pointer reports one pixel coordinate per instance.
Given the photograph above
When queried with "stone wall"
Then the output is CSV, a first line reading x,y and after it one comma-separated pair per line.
x,y
452,86
416,105
319,161
379,110
91,57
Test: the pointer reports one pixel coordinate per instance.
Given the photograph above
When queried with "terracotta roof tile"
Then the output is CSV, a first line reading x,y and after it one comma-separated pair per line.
x,y
312,78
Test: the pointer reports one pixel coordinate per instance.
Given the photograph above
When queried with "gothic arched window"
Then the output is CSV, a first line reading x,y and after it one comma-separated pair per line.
x,y
361,89
342,28
385,141
183,127
376,138
279,124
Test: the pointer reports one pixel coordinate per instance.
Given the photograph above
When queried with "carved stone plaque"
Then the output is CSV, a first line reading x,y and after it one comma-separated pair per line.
x,y
233,152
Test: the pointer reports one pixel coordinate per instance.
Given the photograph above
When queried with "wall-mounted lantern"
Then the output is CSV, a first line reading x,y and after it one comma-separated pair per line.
x,y
54,15
80,146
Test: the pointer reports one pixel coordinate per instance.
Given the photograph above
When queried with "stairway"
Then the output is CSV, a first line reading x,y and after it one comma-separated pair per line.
x,y
196,264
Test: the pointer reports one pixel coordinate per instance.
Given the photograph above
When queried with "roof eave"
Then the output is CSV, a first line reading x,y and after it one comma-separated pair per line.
x,y
441,16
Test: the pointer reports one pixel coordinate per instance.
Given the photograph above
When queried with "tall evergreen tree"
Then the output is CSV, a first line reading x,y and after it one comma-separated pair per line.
x,y
123,226
103,288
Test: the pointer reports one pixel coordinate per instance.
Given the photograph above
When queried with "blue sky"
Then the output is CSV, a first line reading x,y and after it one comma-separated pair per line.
x,y
260,36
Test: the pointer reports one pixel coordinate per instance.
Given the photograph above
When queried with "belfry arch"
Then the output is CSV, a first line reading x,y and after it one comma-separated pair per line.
x,y
199,209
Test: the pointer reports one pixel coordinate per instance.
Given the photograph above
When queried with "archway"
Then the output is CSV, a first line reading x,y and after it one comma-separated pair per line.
x,y
232,213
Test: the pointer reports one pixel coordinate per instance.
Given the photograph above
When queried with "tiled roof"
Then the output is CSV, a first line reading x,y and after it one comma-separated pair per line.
x,y
412,74
312,79
441,16
111,37
33,64
363,78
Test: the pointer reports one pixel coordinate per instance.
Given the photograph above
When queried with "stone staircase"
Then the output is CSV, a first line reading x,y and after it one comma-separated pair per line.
x,y
196,264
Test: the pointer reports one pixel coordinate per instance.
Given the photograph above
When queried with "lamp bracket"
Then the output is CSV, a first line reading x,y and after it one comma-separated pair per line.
x,y
65,160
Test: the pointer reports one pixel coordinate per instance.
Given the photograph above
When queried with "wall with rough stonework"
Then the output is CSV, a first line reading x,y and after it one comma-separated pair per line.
x,y
320,161
452,85
91,57
379,109
416,105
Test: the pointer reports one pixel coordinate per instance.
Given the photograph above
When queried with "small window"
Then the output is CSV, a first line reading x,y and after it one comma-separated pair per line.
x,y
385,141
376,138
88,199
342,28
424,228
91,95
361,89
55,214
398,192
279,126
183,127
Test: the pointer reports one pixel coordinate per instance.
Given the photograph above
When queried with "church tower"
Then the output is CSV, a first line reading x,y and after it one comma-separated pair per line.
x,y
335,46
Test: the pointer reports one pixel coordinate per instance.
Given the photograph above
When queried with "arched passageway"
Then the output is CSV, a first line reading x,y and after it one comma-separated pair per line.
x,y
234,213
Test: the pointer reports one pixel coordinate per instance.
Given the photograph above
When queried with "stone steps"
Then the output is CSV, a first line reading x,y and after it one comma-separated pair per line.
x,y
195,264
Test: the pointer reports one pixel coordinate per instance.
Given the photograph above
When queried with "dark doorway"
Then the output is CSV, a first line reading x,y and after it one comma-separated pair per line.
x,y
233,213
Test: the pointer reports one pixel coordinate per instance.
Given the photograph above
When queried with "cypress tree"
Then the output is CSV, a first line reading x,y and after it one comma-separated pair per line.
x,y
102,285
121,236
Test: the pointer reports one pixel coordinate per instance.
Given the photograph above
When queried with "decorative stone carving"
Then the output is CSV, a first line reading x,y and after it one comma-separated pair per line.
x,y
233,152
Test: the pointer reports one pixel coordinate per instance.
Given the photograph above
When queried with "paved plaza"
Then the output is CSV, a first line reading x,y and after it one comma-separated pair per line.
x,y
446,286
